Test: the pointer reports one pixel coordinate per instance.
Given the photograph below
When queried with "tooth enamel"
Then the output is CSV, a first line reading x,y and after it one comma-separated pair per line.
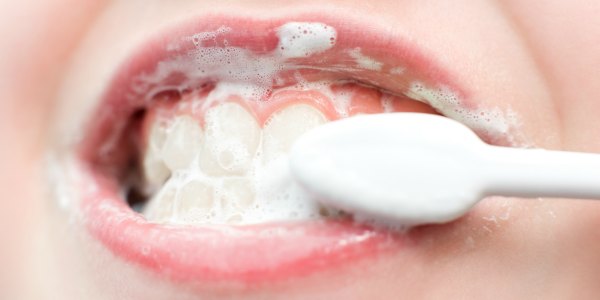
x,y
183,143
194,202
154,169
232,136
236,195
237,192
285,126
160,207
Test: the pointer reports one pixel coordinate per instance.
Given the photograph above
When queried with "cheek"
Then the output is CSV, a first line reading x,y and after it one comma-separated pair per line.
x,y
40,49
41,36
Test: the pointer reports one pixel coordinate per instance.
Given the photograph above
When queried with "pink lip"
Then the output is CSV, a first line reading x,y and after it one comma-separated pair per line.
x,y
251,253
248,254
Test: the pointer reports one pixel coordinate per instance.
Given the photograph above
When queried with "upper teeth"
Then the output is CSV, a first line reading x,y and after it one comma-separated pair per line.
x,y
213,172
285,126
183,143
232,137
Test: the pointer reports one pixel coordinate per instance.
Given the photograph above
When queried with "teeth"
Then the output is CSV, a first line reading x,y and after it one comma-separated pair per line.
x,y
183,143
284,127
160,207
236,195
238,192
209,176
232,136
154,169
194,202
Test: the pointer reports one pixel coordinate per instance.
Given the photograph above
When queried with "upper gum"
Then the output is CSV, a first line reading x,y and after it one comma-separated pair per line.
x,y
322,99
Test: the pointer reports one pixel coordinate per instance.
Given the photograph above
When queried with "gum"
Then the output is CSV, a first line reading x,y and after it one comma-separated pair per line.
x,y
334,100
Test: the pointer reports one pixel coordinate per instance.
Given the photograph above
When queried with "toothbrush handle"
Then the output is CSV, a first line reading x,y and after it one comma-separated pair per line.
x,y
541,173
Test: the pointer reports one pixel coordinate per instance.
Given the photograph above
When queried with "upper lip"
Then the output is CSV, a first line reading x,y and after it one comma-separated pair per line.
x,y
257,252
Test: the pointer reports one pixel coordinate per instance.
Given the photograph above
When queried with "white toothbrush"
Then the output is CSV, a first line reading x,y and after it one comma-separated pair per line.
x,y
412,169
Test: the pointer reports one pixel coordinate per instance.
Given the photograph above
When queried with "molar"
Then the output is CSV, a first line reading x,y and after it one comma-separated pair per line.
x,y
154,169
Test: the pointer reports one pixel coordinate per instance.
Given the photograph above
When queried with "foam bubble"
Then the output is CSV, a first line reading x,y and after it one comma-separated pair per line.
x,y
303,39
236,64
491,122
342,103
364,61
277,197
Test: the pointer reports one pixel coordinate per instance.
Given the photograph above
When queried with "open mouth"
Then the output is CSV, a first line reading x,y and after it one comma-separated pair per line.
x,y
184,162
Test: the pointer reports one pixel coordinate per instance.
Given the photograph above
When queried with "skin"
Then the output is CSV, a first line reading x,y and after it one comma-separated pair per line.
x,y
540,59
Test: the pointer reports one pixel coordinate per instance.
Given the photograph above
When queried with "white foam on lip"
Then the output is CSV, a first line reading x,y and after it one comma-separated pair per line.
x,y
386,103
237,64
493,122
200,37
364,61
57,169
302,39
397,70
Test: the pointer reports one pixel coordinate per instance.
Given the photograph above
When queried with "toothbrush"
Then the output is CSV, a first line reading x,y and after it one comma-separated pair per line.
x,y
411,169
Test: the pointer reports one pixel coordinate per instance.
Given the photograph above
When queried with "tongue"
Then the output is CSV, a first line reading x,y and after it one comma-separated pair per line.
x,y
216,158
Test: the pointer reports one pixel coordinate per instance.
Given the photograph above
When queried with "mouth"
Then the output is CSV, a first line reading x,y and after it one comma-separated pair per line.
x,y
184,162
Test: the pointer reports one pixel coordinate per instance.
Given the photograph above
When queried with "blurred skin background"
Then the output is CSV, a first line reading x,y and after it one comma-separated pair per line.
x,y
37,39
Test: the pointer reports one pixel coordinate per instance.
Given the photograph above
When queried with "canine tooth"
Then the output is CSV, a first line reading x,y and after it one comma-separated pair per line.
x,y
232,136
285,126
183,143
154,169
194,202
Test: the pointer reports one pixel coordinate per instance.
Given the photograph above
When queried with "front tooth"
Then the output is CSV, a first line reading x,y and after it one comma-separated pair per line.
x,y
285,126
194,202
154,168
232,136
183,143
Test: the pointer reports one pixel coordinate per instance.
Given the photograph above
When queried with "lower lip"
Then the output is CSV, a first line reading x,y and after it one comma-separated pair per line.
x,y
248,254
